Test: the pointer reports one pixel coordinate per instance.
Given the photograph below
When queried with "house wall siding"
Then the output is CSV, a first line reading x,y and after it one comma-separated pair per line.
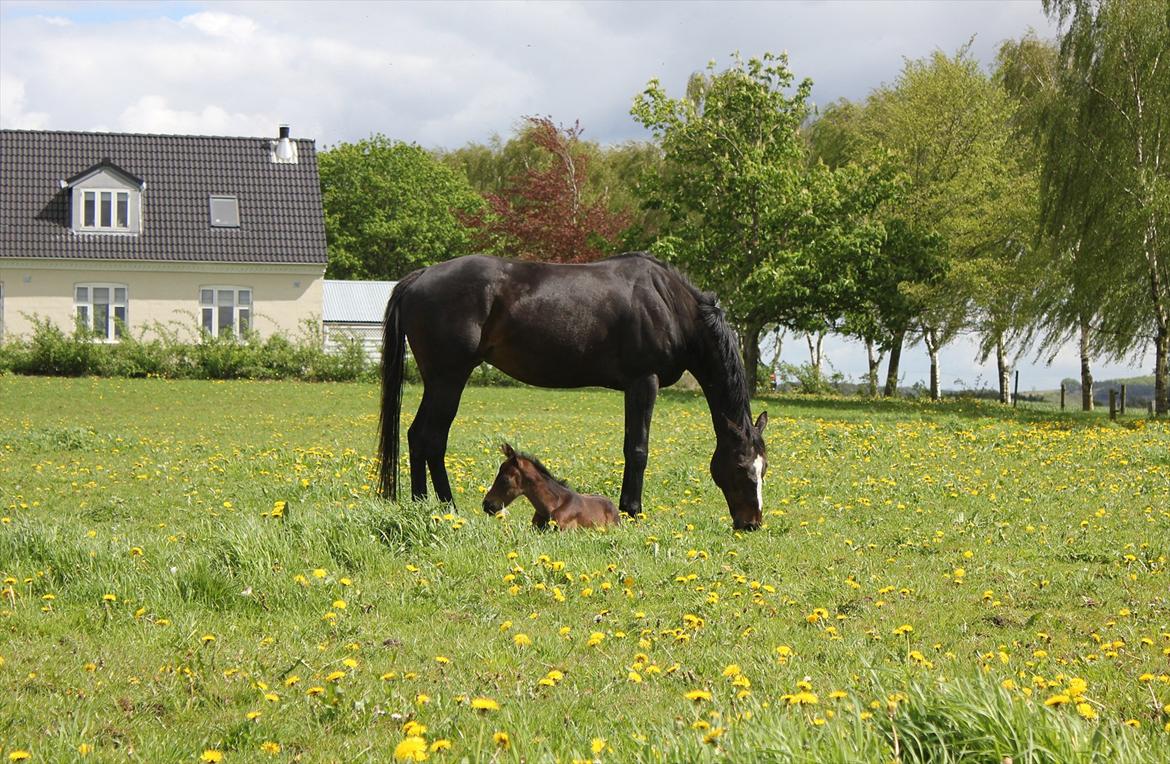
x,y
284,296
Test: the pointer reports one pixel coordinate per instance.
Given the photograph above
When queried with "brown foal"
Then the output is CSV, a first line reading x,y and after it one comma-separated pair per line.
x,y
552,499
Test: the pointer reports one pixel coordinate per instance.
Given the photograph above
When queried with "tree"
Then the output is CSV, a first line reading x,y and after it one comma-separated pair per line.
x,y
390,208
545,212
945,124
1113,83
749,219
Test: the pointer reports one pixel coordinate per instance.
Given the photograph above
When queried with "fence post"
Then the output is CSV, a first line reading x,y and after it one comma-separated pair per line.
x,y
1062,396
1112,404
1016,393
1123,400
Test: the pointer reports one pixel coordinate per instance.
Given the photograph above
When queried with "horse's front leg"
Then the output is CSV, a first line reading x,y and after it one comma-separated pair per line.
x,y
640,398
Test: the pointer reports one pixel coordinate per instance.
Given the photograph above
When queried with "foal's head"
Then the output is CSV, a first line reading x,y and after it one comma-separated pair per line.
x,y
515,473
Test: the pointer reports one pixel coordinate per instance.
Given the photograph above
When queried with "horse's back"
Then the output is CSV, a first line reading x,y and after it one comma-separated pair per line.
x,y
554,325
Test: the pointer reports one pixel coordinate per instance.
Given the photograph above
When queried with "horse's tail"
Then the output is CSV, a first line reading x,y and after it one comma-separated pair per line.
x,y
393,362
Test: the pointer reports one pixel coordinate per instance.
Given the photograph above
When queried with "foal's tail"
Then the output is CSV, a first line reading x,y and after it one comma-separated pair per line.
x,y
393,361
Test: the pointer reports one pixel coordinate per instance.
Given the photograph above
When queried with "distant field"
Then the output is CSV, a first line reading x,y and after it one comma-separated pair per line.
x,y
950,582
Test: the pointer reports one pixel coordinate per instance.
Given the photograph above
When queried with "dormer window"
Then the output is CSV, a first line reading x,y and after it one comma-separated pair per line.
x,y
105,210
105,199
225,212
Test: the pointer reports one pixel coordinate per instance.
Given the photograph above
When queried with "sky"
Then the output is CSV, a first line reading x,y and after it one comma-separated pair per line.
x,y
443,74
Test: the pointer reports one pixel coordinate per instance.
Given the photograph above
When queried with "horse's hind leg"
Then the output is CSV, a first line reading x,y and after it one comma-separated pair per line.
x,y
428,436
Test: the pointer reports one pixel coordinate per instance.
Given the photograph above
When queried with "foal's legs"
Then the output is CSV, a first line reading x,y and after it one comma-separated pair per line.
x,y
427,436
640,397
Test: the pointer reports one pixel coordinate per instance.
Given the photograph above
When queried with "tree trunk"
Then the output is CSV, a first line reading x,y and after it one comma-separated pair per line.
x,y
751,355
875,360
814,351
931,339
1161,371
778,333
891,388
1005,371
1086,373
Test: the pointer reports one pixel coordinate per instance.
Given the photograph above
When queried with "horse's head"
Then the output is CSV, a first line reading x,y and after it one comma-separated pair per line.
x,y
738,468
509,482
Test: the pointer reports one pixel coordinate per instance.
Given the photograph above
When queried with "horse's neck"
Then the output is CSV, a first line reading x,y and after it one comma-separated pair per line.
x,y
546,495
717,376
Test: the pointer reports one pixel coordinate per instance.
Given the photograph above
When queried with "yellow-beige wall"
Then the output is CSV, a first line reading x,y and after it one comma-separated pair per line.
x,y
283,296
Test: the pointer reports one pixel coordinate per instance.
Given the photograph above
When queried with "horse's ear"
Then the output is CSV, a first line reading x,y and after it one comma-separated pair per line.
x,y
762,422
507,451
734,426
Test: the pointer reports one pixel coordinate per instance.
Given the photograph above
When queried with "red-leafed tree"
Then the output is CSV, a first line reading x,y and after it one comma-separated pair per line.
x,y
546,212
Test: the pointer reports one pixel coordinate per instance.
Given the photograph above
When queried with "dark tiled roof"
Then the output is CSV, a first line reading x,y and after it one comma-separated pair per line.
x,y
281,219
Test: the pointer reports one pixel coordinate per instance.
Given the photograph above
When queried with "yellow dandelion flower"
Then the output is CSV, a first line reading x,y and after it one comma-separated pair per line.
x,y
1132,723
422,699
207,638
697,695
484,704
732,670
502,740
105,598
595,639
1059,699
320,573
521,640
1086,711
211,756
414,729
714,734
598,745
252,716
19,755
411,748
335,676
442,659
442,744
313,691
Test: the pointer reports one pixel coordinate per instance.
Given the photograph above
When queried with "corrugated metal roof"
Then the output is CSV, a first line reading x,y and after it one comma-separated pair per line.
x,y
356,301
280,204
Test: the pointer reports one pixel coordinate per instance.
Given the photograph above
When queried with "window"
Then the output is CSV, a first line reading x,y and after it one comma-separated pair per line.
x,y
226,311
101,309
105,210
225,212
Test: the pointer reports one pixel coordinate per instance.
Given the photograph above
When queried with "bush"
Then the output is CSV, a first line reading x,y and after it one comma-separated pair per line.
x,y
160,351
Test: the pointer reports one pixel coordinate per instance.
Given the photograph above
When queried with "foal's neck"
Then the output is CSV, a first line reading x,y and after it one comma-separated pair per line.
x,y
546,495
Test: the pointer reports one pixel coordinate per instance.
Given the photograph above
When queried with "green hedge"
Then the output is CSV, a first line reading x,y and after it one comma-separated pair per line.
x,y
162,351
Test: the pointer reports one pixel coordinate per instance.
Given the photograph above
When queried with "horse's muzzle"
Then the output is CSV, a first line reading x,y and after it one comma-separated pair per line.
x,y
492,507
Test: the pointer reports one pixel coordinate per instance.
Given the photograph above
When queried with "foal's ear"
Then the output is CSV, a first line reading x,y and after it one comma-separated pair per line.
x,y
507,451
762,422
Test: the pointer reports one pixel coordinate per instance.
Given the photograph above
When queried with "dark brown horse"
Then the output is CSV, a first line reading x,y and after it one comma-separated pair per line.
x,y
553,499
629,323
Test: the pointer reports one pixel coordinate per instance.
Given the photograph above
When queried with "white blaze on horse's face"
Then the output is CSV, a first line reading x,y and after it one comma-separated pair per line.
x,y
758,476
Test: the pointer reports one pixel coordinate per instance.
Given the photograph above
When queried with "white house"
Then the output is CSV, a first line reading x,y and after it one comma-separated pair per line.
x,y
118,231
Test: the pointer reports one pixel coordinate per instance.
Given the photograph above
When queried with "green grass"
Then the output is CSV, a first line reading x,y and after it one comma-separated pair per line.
x,y
1023,549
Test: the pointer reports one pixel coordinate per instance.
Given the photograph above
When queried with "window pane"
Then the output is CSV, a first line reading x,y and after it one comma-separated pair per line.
x,y
101,320
227,297
82,294
120,295
245,321
83,315
119,320
206,296
209,320
107,211
101,294
123,210
226,319
90,209
245,297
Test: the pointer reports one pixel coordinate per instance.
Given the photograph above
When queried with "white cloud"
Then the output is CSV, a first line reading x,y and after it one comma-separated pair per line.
x,y
152,114
12,106
225,25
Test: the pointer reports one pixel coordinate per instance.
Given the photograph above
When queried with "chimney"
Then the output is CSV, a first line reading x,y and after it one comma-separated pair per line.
x,y
284,151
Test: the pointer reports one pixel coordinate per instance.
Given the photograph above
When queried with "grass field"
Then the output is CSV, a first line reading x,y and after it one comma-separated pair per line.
x,y
950,582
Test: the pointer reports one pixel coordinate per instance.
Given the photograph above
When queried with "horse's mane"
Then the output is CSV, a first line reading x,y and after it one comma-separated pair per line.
x,y
543,470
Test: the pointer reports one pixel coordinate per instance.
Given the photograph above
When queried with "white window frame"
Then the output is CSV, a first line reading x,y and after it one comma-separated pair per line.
x,y
215,299
235,201
83,195
86,312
